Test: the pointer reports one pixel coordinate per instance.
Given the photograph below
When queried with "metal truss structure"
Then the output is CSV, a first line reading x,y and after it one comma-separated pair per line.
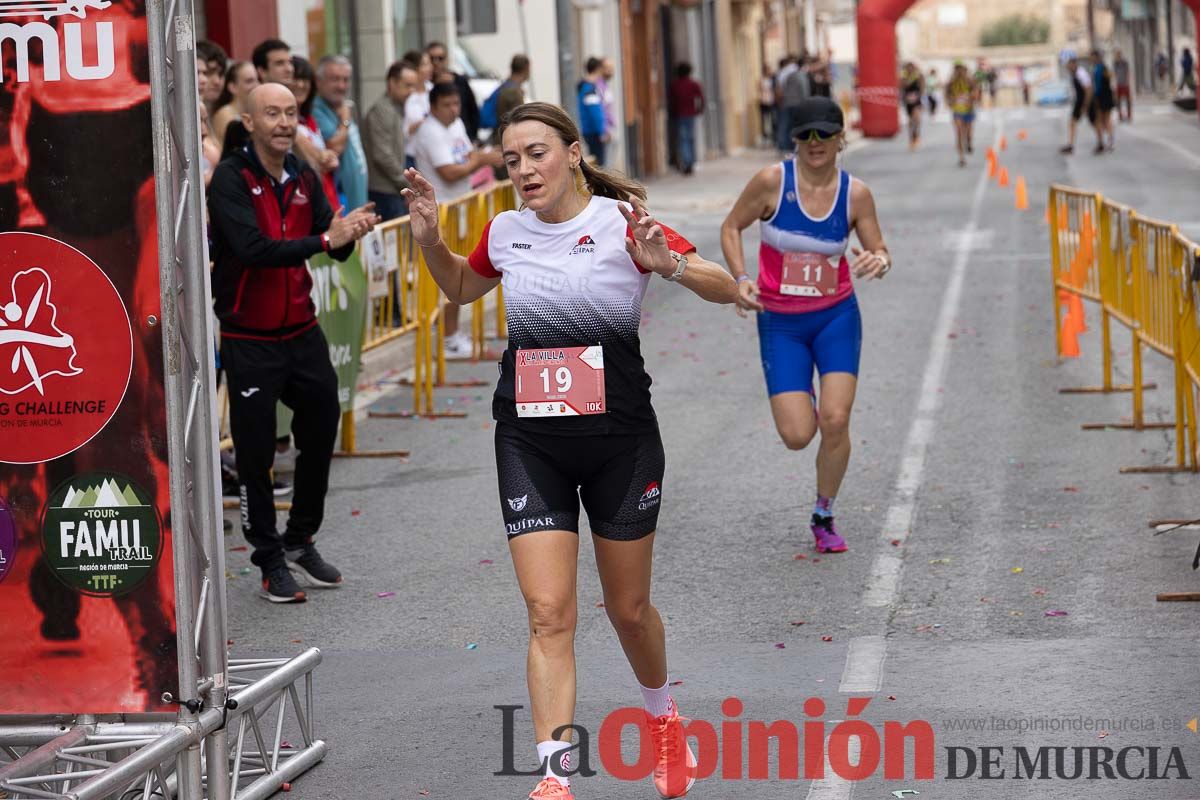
x,y
229,738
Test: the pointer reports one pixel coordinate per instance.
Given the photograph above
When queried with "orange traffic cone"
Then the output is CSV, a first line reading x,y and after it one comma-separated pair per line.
x,y
1022,194
1076,312
1003,180
1022,134
1087,238
1070,338
1003,144
991,162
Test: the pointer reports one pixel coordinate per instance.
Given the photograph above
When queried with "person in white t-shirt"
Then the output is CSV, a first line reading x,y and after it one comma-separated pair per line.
x,y
445,155
416,107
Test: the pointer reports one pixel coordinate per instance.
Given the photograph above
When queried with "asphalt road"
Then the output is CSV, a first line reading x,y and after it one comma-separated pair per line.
x,y
966,456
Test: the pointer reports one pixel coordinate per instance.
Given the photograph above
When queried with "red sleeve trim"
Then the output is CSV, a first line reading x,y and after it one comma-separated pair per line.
x,y
479,259
676,241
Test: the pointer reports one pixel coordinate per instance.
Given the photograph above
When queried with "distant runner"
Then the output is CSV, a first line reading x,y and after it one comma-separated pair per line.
x,y
912,89
962,94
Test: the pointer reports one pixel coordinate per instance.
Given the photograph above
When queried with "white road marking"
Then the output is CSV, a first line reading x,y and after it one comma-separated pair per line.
x,y
885,572
833,787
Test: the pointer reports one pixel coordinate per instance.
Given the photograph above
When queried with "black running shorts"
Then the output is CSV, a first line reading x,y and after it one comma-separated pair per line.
x,y
543,477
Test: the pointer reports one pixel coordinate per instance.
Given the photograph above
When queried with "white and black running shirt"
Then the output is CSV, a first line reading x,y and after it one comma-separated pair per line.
x,y
573,284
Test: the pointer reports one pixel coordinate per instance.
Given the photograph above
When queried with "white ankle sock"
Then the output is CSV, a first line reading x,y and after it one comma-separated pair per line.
x,y
551,754
658,701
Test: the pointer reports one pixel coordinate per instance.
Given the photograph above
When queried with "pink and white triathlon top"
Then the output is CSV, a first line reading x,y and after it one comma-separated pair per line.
x,y
573,284
791,235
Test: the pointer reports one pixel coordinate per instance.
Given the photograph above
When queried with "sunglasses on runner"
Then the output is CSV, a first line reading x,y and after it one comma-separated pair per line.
x,y
815,136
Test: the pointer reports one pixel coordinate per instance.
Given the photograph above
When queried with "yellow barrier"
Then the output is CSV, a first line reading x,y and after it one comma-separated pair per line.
x,y
1142,273
415,304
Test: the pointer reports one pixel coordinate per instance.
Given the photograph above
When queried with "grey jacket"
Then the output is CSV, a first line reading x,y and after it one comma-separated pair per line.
x,y
383,139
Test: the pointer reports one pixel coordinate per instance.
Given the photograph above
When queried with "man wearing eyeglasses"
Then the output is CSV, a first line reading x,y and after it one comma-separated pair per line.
x,y
469,115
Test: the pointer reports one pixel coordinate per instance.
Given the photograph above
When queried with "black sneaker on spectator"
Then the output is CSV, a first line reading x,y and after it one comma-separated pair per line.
x,y
281,488
279,585
316,570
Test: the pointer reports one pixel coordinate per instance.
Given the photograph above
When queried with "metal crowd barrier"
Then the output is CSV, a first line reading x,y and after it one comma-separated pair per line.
x,y
1144,274
415,304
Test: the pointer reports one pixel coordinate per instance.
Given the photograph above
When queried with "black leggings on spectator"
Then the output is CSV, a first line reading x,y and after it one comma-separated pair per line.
x,y
260,374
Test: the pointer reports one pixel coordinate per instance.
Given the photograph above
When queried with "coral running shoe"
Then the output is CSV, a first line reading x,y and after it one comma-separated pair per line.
x,y
550,787
675,771
824,531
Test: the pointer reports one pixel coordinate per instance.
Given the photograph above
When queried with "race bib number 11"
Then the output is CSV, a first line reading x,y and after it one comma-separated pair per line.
x,y
560,382
808,275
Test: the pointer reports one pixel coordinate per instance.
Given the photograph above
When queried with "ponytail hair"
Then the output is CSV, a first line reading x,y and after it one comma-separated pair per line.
x,y
601,182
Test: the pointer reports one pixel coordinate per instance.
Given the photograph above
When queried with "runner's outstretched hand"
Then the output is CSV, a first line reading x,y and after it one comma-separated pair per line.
x,y
422,208
869,265
648,244
747,298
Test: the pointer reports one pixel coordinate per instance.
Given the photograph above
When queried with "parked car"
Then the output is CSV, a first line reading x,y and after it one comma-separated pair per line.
x,y
1055,92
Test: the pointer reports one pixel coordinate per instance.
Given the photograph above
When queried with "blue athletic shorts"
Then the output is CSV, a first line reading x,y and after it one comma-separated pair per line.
x,y
792,344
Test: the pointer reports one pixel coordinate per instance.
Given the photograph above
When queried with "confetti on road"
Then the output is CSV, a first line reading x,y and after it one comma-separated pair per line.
x,y
386,594
939,561
486,561
675,683
798,623
826,638
780,645
1017,570
472,646
241,548
1056,613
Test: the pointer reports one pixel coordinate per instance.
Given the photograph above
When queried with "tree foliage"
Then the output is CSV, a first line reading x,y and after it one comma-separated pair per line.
x,y
1015,29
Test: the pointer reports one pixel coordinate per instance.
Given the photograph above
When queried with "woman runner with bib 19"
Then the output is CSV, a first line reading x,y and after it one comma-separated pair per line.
x,y
807,313
573,412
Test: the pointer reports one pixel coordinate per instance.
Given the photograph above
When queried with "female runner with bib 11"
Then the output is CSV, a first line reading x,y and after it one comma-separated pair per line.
x,y
573,412
807,313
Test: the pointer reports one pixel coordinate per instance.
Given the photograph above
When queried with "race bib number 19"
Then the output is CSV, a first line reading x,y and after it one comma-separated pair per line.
x,y
808,275
560,382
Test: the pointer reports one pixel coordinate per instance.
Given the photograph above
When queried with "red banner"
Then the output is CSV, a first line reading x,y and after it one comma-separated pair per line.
x,y
86,585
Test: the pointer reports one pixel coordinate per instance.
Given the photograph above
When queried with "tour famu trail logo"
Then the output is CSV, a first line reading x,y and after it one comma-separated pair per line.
x,y
100,534
32,346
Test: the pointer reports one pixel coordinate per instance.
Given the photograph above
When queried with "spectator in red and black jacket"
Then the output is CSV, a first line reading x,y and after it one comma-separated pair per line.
x,y
269,214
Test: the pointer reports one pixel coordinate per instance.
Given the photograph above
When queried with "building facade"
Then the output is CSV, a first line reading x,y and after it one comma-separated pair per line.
x,y
726,41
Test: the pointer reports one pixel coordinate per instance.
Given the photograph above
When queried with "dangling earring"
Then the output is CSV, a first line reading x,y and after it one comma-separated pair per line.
x,y
580,181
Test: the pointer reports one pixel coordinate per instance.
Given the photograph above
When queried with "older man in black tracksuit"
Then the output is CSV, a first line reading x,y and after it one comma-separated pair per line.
x,y
269,215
